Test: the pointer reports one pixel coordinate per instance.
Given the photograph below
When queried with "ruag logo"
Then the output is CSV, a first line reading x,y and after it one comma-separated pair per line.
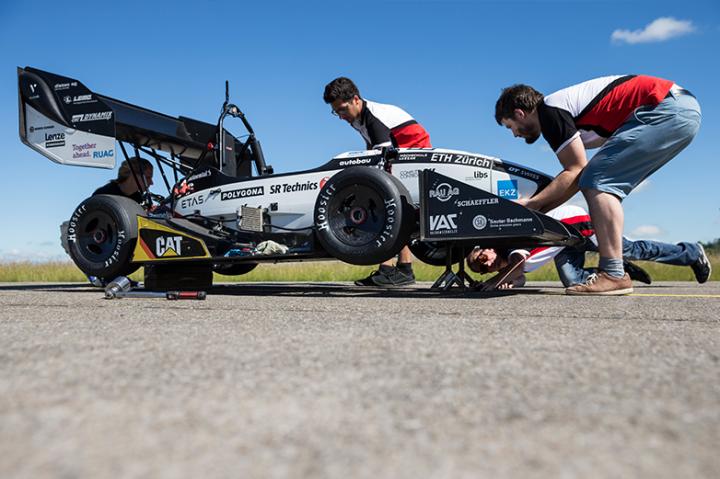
x,y
103,154
479,222
507,189
443,222
166,246
444,192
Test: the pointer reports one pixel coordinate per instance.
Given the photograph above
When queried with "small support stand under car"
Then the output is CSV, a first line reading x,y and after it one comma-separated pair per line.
x,y
465,217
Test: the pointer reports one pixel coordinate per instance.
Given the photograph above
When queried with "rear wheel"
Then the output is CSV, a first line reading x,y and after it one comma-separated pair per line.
x,y
101,236
363,216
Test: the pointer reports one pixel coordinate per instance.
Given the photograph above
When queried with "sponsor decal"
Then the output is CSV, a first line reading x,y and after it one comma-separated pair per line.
x,y
479,222
40,128
507,189
407,174
203,174
524,173
242,193
64,86
191,201
84,150
103,154
478,175
412,156
78,99
462,159
53,140
444,192
443,223
355,161
477,202
33,87
166,246
323,181
83,117
293,187
507,222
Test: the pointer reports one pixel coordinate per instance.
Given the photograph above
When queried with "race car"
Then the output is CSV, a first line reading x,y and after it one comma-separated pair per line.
x,y
226,210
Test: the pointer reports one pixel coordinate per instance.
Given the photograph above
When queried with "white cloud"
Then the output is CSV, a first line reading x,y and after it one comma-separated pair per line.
x,y
646,232
659,30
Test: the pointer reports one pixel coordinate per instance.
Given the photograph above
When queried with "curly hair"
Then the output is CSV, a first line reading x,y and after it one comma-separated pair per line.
x,y
515,97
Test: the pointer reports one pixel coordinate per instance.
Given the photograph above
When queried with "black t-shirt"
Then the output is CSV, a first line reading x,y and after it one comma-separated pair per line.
x,y
112,188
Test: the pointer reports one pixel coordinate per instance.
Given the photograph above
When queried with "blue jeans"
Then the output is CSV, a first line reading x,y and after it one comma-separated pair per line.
x,y
570,262
649,138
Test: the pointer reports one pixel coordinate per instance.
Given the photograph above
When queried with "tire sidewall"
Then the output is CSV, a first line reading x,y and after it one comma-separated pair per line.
x,y
394,233
123,212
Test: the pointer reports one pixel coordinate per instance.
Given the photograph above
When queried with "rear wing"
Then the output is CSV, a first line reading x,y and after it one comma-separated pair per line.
x,y
63,120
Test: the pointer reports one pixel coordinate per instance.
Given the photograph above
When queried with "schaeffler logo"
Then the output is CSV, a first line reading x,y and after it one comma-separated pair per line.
x,y
444,192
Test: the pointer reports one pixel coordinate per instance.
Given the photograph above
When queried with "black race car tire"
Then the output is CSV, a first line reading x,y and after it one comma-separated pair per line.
x,y
433,252
101,236
363,216
233,269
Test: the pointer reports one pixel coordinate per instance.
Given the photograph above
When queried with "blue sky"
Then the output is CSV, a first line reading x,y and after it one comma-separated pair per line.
x,y
445,62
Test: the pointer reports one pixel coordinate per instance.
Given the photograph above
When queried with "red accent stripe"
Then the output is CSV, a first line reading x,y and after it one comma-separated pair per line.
x,y
146,249
411,136
535,251
617,105
576,219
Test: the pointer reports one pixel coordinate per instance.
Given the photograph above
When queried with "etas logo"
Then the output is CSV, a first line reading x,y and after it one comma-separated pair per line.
x,y
443,222
166,246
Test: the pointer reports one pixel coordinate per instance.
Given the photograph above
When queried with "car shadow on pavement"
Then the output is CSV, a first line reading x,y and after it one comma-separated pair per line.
x,y
318,290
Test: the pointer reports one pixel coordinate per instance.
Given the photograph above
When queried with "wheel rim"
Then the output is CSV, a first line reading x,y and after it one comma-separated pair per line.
x,y
97,236
357,215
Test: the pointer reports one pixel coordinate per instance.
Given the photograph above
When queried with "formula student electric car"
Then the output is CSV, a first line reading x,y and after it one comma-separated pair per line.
x,y
227,211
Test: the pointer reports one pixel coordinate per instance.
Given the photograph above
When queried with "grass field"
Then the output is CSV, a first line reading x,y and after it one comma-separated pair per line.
x,y
315,271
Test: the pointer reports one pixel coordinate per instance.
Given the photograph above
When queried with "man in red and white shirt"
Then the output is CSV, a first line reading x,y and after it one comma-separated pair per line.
x,y
379,125
638,122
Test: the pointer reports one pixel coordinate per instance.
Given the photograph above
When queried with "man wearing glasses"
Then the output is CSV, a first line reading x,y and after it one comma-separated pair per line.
x,y
379,125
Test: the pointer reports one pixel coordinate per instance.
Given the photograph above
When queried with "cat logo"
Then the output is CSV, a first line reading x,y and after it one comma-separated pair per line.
x,y
166,246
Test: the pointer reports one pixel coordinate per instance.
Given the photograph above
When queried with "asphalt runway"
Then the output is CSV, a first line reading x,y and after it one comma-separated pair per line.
x,y
327,380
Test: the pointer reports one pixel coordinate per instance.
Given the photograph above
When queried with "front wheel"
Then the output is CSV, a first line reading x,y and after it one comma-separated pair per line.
x,y
363,216
101,236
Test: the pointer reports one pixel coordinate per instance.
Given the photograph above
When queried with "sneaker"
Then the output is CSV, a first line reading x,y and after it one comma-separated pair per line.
x,y
369,280
396,277
636,273
702,267
602,284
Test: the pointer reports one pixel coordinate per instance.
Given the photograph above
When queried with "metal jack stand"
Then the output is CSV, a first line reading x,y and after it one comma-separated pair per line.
x,y
449,278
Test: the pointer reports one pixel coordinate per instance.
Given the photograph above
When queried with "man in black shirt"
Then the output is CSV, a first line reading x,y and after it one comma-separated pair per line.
x,y
126,184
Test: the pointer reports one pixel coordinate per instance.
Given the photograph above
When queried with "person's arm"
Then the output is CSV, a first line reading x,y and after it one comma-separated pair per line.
x,y
573,159
510,275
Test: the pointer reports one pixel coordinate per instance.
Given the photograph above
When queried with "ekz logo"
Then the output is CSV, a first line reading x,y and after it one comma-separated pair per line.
x,y
507,189
168,246
443,222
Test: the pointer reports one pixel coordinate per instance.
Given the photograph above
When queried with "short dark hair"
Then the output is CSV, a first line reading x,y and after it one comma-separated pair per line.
x,y
514,97
340,88
139,165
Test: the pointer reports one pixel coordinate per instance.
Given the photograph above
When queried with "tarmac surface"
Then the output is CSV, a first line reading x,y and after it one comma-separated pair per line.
x,y
328,380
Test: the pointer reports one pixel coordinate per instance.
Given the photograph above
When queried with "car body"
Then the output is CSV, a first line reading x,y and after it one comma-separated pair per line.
x,y
226,210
